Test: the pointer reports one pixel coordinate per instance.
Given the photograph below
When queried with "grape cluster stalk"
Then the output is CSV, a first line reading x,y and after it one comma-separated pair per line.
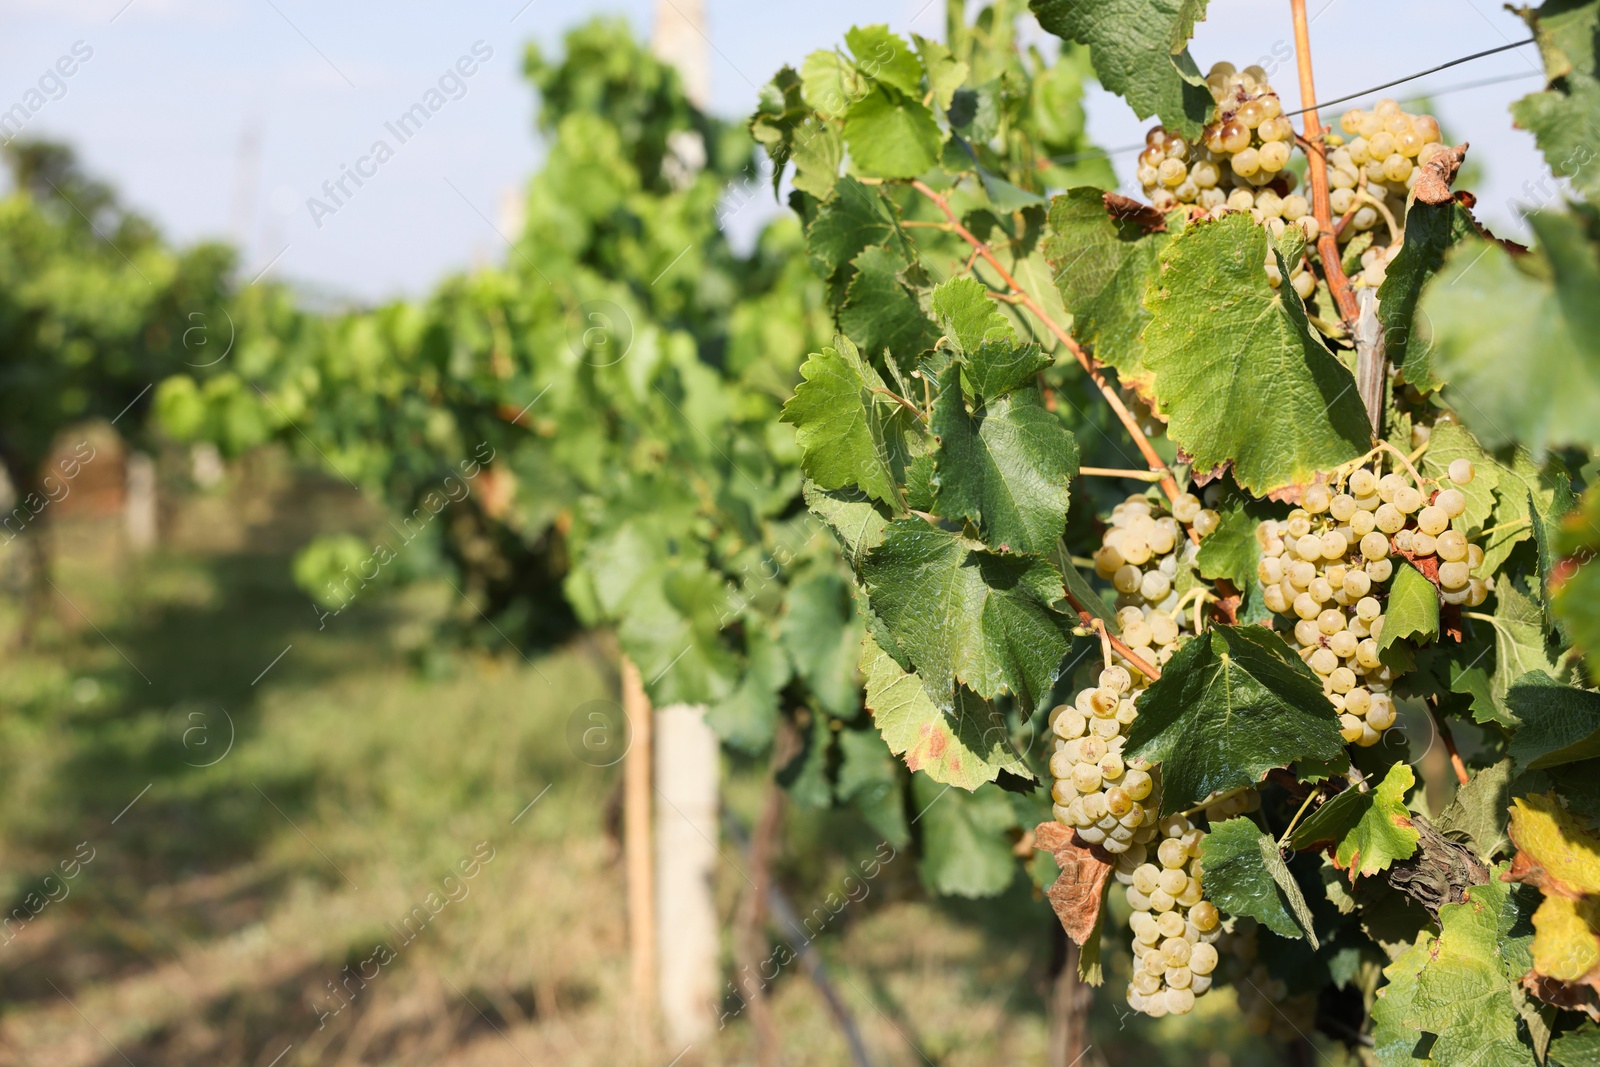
x,y
1330,563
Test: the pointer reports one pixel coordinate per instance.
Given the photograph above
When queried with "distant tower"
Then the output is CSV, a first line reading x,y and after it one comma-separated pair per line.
x,y
680,39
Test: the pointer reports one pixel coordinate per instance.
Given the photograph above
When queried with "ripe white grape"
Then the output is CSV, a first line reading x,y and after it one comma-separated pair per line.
x,y
1176,930
1240,163
1327,567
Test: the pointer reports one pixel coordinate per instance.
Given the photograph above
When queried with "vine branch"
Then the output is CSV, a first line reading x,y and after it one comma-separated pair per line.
x,y
1131,424
1449,740
1317,170
1115,472
1106,636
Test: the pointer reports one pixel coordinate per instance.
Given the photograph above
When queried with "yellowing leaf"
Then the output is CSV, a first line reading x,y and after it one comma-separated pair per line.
x,y
965,748
1557,852
1565,945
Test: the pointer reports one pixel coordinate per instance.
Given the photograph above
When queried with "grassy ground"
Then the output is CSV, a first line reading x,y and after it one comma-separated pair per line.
x,y
214,807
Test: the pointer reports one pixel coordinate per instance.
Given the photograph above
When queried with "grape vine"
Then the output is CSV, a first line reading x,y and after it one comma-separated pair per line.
x,y
1366,540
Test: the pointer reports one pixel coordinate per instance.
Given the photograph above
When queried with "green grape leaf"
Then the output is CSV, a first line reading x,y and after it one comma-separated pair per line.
x,y
1413,608
1221,341
1565,117
964,614
1522,489
805,775
838,423
853,221
854,519
1394,1043
817,151
975,110
747,718
1557,724
881,314
672,630
1006,466
1463,991
891,135
946,73
822,636
885,57
965,748
1085,594
1464,668
1573,582
1004,197
779,111
1139,52
1485,303
1246,875
1479,810
868,779
920,487
969,317
1519,640
1229,707
1370,830
1577,1048
1448,442
830,83
1103,261
998,368
966,844
1231,551
1431,229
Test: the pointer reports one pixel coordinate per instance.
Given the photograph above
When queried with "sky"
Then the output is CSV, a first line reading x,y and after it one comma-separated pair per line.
x,y
221,118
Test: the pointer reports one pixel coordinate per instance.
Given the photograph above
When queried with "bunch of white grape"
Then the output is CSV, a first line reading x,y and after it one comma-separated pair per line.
x,y
1109,801
1175,929
1328,563
1140,553
1374,171
1239,164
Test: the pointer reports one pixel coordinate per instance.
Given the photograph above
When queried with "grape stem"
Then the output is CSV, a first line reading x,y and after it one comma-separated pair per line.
x,y
1201,598
1098,625
1090,367
1340,474
1385,446
1218,799
1125,652
1114,472
1296,820
1383,209
1317,169
903,402
1503,526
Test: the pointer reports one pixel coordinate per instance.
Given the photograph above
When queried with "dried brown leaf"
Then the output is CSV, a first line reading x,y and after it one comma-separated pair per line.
x,y
1433,187
1078,893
